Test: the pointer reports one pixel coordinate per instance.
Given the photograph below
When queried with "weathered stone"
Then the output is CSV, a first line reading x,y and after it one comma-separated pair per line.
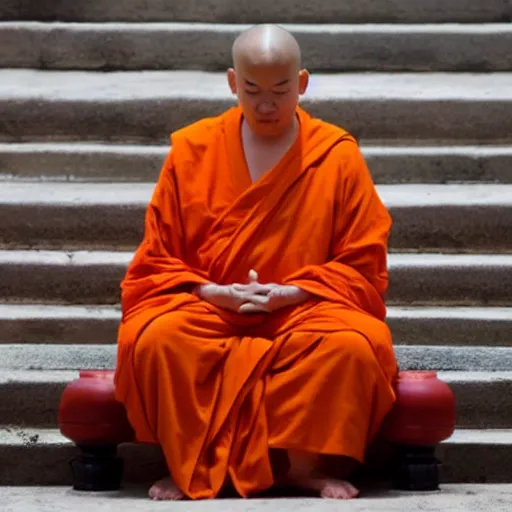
x,y
446,47
263,11
451,326
111,216
131,106
141,163
93,356
31,398
94,278
40,324
34,456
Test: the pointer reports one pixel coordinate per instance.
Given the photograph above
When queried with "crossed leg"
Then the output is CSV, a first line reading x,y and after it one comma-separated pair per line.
x,y
307,472
326,398
323,396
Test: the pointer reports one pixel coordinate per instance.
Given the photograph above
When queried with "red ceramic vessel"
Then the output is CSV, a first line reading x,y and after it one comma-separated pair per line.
x,y
424,414
90,415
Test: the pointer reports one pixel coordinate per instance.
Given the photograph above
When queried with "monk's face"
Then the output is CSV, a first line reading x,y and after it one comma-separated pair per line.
x,y
268,95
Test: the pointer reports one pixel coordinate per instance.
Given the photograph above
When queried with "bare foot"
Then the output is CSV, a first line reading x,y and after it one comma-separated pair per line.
x,y
328,488
338,490
165,490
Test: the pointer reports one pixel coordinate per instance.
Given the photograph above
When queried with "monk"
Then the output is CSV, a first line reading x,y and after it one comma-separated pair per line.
x,y
253,346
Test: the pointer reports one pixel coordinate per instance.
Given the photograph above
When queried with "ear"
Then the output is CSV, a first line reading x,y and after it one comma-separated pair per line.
x,y
232,80
303,81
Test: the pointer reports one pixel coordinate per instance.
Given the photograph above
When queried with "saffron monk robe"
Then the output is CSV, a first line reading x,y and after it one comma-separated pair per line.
x,y
252,312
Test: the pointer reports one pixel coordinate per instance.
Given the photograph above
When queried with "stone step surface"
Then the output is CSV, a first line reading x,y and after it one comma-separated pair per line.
x,y
79,325
31,397
29,323
390,164
453,497
368,47
263,11
145,106
451,326
90,356
111,216
39,456
93,277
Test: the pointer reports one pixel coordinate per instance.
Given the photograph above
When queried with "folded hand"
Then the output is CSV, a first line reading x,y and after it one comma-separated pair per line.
x,y
270,297
252,297
231,297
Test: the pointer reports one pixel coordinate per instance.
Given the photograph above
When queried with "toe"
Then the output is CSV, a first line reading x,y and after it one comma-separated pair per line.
x,y
339,491
330,491
352,491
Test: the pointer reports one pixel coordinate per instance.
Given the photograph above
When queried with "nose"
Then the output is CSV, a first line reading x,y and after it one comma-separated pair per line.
x,y
266,107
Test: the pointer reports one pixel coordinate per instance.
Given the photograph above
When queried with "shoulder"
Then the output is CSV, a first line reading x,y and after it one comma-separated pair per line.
x,y
198,131
197,137
317,127
345,156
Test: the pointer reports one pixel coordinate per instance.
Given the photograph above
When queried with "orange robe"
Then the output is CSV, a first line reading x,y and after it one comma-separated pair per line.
x,y
217,389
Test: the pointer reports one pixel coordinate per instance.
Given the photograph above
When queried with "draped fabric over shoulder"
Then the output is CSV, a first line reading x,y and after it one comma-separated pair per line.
x,y
217,389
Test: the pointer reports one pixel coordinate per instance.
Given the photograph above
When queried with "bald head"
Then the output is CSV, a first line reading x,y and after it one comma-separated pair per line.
x,y
266,45
267,79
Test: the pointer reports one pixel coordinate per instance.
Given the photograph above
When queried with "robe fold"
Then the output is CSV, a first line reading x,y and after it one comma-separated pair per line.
x,y
217,389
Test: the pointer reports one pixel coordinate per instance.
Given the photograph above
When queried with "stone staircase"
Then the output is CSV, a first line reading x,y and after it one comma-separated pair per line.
x,y
89,92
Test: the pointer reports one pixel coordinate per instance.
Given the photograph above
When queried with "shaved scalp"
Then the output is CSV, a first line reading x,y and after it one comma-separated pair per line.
x,y
266,45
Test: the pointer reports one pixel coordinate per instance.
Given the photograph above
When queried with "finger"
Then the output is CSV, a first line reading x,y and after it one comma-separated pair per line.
x,y
267,287
257,299
253,275
260,289
253,288
249,307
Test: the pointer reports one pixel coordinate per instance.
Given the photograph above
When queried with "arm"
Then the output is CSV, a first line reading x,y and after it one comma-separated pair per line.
x,y
158,266
357,273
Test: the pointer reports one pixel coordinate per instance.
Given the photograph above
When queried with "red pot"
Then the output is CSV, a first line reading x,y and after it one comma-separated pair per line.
x,y
424,414
89,414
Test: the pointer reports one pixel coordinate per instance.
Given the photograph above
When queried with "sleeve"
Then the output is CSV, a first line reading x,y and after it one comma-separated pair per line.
x,y
356,273
158,266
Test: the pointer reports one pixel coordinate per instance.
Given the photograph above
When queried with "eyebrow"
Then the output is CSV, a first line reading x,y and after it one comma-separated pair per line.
x,y
252,84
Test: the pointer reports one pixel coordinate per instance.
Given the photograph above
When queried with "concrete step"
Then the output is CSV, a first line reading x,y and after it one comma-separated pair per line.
x,y
451,326
264,11
91,356
111,216
43,324
93,278
77,325
120,106
38,456
117,163
158,46
31,397
453,497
